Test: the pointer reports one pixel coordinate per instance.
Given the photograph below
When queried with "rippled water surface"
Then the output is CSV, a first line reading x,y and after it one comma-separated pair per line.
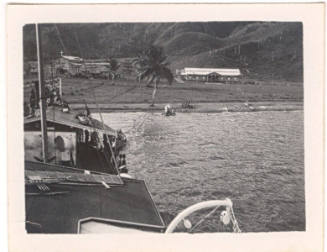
x,y
255,159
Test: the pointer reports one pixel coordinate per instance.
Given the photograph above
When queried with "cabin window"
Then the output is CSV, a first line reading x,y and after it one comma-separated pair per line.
x,y
61,147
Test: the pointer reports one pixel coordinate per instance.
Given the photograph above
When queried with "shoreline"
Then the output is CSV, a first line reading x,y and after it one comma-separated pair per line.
x,y
208,107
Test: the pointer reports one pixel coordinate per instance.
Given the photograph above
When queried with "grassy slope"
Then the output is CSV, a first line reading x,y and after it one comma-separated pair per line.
x,y
78,91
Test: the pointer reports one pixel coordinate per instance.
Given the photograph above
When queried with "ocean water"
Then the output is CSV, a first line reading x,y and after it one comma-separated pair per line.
x,y
255,159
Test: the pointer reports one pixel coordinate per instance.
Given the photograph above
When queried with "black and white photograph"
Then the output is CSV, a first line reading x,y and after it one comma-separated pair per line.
x,y
164,127
156,126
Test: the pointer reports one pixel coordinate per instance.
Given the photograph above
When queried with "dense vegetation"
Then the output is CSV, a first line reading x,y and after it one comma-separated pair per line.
x,y
264,50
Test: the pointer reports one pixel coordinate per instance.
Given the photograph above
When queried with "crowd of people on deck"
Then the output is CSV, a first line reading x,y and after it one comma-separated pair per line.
x,y
52,96
105,148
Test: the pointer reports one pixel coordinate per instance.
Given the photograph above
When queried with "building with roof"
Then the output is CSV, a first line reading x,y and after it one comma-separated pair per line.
x,y
227,75
77,66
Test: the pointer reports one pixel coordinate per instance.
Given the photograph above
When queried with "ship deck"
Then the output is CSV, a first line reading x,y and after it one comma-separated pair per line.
x,y
59,210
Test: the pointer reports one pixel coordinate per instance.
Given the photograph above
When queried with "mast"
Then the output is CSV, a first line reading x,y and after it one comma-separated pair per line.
x,y
42,95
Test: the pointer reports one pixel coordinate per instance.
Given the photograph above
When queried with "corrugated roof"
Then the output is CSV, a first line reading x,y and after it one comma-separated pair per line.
x,y
72,58
97,63
86,62
76,64
57,116
206,71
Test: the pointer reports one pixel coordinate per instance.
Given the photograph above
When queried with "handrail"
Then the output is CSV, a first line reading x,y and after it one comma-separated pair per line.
x,y
191,209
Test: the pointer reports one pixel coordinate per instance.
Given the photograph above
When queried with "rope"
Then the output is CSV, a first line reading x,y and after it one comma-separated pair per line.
x,y
204,218
78,43
109,143
59,37
236,228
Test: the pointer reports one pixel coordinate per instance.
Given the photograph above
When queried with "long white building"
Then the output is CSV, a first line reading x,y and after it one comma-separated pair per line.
x,y
210,74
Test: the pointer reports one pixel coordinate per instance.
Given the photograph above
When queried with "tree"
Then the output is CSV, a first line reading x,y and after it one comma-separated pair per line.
x,y
151,64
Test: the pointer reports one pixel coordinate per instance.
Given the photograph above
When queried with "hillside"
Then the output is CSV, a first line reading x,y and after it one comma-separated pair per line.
x,y
264,50
191,43
269,51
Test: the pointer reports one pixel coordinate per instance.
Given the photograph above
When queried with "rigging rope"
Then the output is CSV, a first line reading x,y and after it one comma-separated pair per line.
x,y
236,228
59,37
203,219
109,142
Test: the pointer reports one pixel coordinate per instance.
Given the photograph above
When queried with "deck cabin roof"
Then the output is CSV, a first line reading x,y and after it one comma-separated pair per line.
x,y
72,196
131,203
55,115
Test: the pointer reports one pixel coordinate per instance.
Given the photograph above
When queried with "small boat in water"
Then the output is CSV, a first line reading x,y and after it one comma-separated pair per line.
x,y
76,177
169,111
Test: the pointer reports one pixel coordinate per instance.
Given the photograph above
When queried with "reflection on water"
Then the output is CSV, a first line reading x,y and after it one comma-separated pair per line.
x,y
256,159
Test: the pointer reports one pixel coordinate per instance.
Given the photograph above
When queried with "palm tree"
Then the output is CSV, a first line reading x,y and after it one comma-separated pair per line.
x,y
152,65
112,68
